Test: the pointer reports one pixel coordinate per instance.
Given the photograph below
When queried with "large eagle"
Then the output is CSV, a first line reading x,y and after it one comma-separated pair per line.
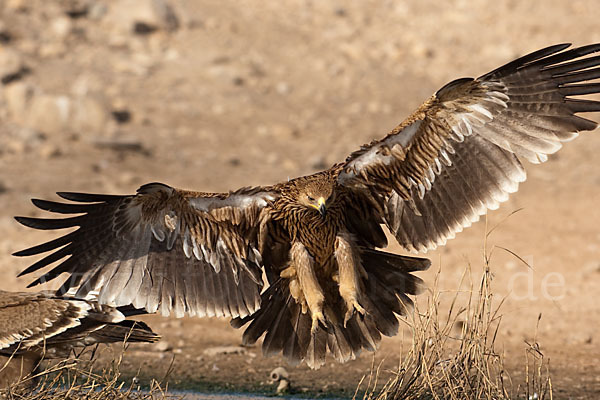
x,y
316,237
41,325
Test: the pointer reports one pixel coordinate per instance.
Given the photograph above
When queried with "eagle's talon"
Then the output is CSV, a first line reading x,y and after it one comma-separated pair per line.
x,y
316,318
353,306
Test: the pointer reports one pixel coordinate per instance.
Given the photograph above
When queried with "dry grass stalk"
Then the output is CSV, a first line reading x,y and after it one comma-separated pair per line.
x,y
76,379
443,365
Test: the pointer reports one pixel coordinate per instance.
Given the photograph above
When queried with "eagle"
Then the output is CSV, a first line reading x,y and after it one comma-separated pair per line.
x,y
301,261
42,325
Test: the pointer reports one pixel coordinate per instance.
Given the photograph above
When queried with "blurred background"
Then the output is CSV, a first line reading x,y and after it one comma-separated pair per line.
x,y
103,96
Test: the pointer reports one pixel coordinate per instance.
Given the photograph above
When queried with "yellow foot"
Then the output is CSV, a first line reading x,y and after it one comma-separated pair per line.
x,y
316,317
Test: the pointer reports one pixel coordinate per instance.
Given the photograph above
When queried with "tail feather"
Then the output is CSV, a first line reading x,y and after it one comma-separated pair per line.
x,y
288,330
275,338
297,342
317,349
367,331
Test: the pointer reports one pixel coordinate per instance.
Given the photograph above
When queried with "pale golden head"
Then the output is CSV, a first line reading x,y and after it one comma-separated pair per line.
x,y
317,194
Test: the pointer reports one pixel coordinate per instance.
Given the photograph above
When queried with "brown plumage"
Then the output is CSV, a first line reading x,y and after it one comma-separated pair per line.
x,y
316,237
40,325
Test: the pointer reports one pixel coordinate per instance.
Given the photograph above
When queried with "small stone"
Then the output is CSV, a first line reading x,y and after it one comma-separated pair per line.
x,y
77,8
52,49
18,96
122,144
97,11
173,324
142,16
49,150
341,12
218,109
49,114
15,147
61,27
11,64
282,88
89,114
282,131
5,35
28,46
219,350
16,5
122,116
163,346
238,81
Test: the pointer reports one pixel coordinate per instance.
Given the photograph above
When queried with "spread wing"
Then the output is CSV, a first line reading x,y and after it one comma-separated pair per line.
x,y
162,249
458,155
40,320
30,318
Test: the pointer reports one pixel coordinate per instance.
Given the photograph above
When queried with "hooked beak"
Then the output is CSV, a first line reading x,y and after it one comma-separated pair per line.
x,y
322,208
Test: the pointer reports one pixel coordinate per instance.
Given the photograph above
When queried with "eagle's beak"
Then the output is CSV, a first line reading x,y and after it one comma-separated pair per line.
x,y
322,208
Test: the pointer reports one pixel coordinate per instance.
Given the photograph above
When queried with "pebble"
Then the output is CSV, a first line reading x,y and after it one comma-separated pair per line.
x,y
283,88
142,16
97,11
31,108
163,346
89,114
120,144
48,113
11,63
52,49
16,5
77,8
61,27
17,96
49,150
220,350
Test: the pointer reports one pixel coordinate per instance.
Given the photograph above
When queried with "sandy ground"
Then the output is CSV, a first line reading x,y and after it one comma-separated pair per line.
x,y
247,93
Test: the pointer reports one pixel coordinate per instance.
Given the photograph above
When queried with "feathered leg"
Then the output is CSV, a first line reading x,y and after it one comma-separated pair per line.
x,y
303,263
350,273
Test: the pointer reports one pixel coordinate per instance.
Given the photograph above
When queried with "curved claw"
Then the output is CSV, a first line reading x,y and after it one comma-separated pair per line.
x,y
351,307
316,318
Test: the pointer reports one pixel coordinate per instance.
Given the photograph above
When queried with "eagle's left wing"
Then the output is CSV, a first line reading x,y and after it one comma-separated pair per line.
x,y
162,249
458,155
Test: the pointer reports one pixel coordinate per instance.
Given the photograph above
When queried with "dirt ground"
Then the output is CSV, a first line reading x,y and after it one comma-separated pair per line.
x,y
241,93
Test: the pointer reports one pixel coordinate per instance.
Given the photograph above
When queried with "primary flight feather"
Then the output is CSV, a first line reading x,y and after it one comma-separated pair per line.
x,y
316,237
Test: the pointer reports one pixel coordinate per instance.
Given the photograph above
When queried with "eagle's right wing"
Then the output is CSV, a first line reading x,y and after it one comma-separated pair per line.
x,y
162,249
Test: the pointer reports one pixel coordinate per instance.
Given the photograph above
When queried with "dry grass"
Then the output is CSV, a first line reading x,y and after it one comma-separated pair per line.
x,y
77,380
453,355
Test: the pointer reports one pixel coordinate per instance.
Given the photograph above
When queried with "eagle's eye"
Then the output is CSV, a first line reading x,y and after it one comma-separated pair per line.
x,y
310,198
